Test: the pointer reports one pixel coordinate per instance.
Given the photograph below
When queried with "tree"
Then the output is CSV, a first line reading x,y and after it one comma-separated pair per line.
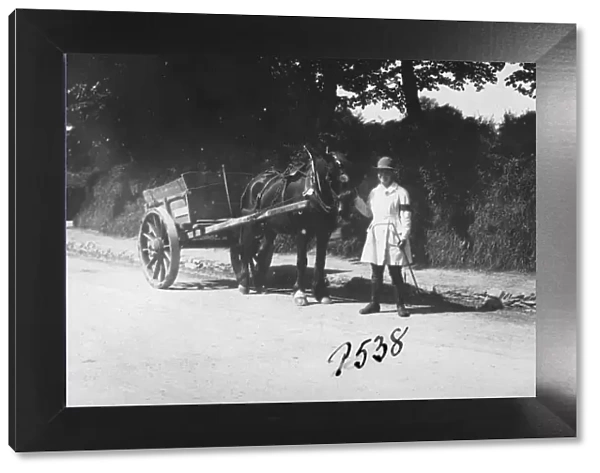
x,y
89,101
398,83
168,105
523,80
308,88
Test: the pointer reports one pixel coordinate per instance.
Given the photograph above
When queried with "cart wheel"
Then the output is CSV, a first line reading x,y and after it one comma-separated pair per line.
x,y
159,249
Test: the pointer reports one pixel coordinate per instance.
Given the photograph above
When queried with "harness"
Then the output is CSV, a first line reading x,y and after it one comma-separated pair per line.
x,y
312,187
317,183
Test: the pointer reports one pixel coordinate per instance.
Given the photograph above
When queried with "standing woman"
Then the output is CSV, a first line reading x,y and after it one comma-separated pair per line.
x,y
387,236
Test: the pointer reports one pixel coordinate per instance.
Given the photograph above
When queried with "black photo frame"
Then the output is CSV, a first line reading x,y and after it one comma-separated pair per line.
x,y
39,420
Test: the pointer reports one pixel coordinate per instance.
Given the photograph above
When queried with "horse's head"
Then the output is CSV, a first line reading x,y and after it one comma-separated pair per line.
x,y
339,176
335,182
339,172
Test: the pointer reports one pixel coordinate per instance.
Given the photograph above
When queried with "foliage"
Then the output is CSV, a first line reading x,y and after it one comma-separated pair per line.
x,y
472,187
138,121
389,82
141,108
524,80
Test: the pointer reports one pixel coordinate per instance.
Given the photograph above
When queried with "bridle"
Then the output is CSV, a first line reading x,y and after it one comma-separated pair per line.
x,y
342,177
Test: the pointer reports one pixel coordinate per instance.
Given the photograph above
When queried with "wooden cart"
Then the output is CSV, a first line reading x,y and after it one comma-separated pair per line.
x,y
199,209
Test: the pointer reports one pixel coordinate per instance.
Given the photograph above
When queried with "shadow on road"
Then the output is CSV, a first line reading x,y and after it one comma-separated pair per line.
x,y
208,284
358,290
284,276
419,302
342,291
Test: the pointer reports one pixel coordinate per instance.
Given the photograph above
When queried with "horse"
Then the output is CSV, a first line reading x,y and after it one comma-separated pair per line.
x,y
323,179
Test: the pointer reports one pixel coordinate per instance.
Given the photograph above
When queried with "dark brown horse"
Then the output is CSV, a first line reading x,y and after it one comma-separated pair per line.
x,y
324,179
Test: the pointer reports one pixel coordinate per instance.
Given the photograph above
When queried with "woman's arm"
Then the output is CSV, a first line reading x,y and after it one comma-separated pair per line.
x,y
364,207
405,214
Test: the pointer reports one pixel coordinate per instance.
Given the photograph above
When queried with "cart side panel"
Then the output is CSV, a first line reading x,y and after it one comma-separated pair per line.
x,y
158,195
208,203
173,195
208,196
197,196
207,199
179,210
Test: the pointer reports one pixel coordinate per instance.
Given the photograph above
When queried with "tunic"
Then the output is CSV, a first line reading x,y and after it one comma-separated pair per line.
x,y
390,208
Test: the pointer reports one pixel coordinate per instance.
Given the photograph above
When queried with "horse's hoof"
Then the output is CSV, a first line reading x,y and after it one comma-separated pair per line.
x,y
325,300
243,289
301,301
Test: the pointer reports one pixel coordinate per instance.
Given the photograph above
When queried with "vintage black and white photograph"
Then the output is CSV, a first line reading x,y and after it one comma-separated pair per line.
x,y
256,229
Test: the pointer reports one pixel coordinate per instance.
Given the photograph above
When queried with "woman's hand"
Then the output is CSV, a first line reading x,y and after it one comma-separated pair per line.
x,y
362,207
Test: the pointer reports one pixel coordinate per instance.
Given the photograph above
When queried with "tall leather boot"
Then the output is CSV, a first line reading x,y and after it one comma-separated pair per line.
x,y
396,275
376,286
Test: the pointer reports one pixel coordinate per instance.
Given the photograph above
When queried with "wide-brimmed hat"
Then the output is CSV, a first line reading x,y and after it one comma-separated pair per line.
x,y
385,163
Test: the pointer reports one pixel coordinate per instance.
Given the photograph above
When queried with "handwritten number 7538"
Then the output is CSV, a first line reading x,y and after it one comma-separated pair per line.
x,y
395,350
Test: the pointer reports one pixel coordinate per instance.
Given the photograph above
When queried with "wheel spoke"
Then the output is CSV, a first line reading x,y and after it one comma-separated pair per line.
x,y
167,256
152,229
158,225
164,234
152,261
160,228
162,273
157,268
148,237
150,225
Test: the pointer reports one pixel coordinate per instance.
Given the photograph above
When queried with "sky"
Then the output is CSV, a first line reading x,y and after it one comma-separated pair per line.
x,y
492,102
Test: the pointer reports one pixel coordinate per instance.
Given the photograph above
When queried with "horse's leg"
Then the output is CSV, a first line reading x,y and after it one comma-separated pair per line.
x,y
246,240
263,260
319,287
252,252
301,263
235,253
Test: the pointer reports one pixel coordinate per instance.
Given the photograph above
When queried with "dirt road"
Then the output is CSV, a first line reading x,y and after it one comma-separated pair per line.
x,y
204,342
125,249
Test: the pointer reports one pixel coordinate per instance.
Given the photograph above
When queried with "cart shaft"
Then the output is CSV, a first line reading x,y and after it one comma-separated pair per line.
x,y
252,218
